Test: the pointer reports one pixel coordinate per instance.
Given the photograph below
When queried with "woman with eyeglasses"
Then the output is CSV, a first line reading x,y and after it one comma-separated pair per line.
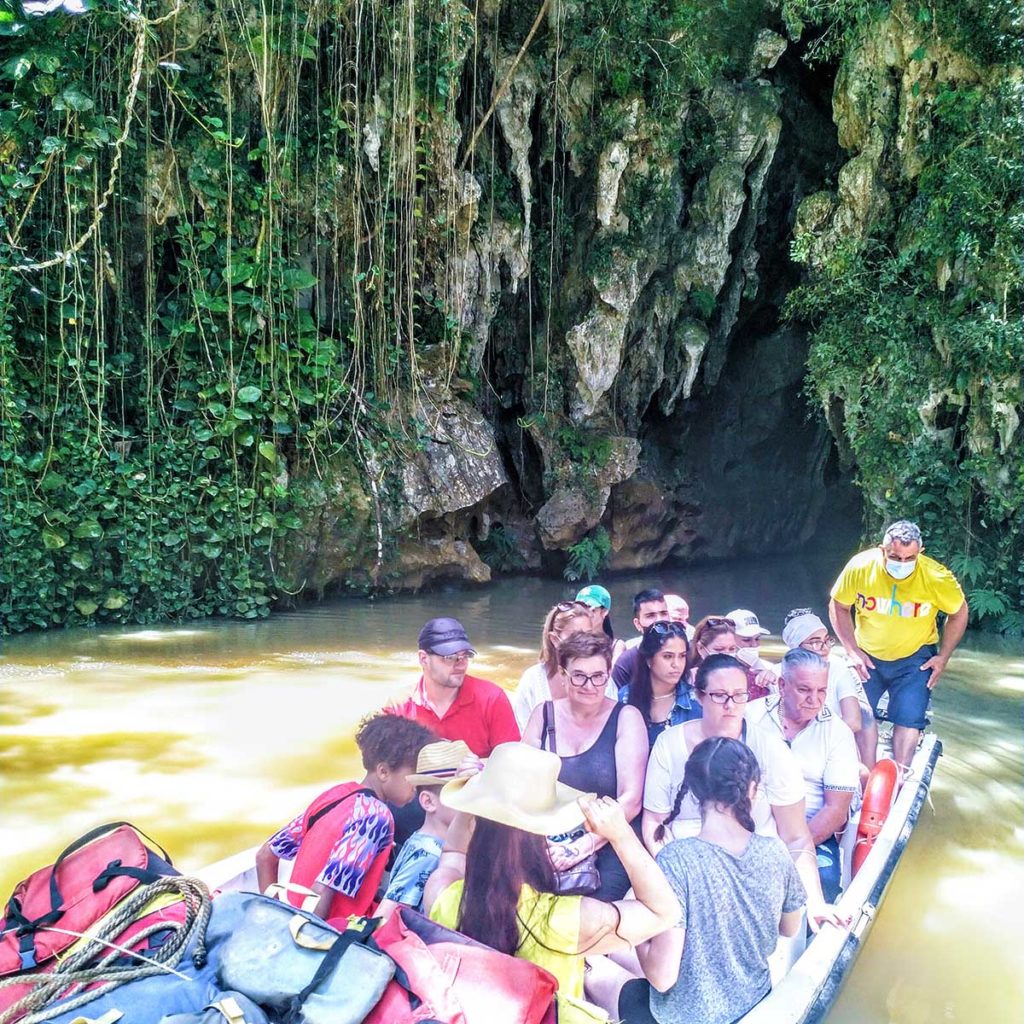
x,y
846,697
739,891
778,806
603,748
658,686
716,634
545,679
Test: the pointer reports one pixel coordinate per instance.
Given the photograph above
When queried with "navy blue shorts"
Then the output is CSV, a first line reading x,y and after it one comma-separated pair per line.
x,y
907,686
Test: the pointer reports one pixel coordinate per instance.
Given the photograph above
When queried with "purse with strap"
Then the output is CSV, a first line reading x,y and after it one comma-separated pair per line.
x,y
584,877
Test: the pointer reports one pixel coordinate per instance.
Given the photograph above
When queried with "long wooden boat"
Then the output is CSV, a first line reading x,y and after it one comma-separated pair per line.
x,y
807,981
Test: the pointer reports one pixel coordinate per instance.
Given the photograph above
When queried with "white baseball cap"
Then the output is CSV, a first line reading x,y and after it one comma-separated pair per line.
x,y
747,624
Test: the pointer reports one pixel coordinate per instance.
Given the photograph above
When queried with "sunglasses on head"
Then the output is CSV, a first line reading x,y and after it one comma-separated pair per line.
x,y
717,622
664,631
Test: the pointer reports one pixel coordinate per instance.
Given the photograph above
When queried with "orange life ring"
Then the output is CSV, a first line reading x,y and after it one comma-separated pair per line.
x,y
874,810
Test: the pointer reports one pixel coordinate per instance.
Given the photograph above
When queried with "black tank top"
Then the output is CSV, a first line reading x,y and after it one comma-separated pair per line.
x,y
593,770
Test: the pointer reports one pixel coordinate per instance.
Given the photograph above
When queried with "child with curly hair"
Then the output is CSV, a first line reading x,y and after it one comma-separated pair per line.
x,y
341,842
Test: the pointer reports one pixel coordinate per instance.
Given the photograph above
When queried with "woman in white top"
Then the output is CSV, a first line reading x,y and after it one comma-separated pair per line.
x,y
545,680
778,806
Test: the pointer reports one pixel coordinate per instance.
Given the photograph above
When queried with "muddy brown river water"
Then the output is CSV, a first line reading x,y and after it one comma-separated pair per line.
x,y
208,736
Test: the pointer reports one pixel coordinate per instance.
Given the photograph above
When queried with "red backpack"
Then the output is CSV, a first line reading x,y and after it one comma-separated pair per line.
x,y
448,978
89,878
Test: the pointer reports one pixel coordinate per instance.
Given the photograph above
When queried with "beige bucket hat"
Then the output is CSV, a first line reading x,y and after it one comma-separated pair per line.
x,y
518,787
438,762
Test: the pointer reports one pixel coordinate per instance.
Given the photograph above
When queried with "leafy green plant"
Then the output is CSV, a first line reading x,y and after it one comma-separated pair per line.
x,y
588,556
501,550
918,340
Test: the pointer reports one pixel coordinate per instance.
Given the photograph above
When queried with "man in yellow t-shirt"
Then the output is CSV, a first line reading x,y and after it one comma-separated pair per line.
x,y
897,594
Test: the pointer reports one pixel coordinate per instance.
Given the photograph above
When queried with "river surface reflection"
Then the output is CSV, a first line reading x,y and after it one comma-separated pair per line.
x,y
208,736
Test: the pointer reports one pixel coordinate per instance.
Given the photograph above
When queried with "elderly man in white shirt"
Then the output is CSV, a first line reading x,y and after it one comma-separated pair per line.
x,y
846,697
824,748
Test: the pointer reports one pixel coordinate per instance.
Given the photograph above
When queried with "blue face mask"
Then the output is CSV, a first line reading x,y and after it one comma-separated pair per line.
x,y
899,570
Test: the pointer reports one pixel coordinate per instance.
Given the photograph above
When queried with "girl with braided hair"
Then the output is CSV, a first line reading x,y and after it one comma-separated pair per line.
x,y
777,807
738,891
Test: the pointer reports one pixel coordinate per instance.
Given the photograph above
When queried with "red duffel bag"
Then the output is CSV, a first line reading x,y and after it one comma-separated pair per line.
x,y
447,977
90,877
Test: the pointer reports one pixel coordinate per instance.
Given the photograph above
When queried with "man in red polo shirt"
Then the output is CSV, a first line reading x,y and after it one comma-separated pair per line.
x,y
452,704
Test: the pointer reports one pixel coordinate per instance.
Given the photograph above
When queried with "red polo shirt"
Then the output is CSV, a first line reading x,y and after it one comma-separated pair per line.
x,y
480,715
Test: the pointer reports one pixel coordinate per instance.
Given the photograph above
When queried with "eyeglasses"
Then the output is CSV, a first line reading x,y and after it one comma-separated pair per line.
x,y
596,679
724,698
819,645
569,606
454,659
716,622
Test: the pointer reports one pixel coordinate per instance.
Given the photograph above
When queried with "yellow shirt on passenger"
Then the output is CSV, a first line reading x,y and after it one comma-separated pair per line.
x,y
549,939
895,618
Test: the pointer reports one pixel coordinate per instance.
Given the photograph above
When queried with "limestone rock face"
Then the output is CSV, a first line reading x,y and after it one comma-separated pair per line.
x,y
574,509
881,104
617,308
458,466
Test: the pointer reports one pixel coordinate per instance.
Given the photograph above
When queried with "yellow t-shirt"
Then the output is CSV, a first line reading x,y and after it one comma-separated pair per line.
x,y
550,937
895,618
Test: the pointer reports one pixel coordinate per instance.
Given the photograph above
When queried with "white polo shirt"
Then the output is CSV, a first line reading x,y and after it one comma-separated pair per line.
x,y
844,682
824,748
781,780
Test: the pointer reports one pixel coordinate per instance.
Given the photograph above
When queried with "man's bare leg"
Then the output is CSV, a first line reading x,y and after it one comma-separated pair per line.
x,y
867,742
904,744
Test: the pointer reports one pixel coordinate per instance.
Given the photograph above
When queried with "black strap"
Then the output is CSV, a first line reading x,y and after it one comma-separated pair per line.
x,y
56,899
547,739
314,818
115,869
293,1007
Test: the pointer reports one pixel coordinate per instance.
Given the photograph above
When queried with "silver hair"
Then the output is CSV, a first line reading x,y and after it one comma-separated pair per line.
x,y
903,531
800,657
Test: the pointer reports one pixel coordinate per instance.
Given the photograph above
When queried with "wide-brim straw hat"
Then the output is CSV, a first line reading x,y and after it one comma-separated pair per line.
x,y
438,762
518,787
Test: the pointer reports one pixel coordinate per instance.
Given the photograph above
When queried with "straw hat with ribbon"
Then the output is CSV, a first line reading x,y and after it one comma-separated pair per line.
x,y
439,762
518,787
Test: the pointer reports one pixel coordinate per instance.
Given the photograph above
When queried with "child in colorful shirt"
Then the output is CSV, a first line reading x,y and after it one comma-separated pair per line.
x,y
341,843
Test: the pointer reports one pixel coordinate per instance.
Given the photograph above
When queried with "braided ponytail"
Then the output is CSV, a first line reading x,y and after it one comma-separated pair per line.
x,y
659,832
720,771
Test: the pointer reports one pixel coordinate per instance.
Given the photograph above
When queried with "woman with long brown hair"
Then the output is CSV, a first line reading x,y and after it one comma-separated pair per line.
x,y
495,882
545,680
659,687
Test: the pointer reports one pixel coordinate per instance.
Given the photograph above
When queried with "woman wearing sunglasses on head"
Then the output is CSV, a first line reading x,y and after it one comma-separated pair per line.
x,y
716,634
545,679
658,687
778,806
603,748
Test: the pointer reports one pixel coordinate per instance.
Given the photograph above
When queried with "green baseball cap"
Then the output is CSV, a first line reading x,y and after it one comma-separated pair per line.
x,y
595,596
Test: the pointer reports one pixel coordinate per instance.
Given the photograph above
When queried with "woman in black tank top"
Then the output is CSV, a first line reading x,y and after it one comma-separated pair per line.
x,y
603,749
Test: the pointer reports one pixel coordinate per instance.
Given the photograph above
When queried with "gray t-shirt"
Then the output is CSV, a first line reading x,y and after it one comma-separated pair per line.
x,y
731,910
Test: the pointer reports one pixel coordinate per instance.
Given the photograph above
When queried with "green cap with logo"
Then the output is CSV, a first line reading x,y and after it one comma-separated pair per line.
x,y
595,596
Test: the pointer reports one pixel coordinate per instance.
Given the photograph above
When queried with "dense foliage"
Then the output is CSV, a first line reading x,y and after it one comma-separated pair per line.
x,y
227,240
229,253
918,343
